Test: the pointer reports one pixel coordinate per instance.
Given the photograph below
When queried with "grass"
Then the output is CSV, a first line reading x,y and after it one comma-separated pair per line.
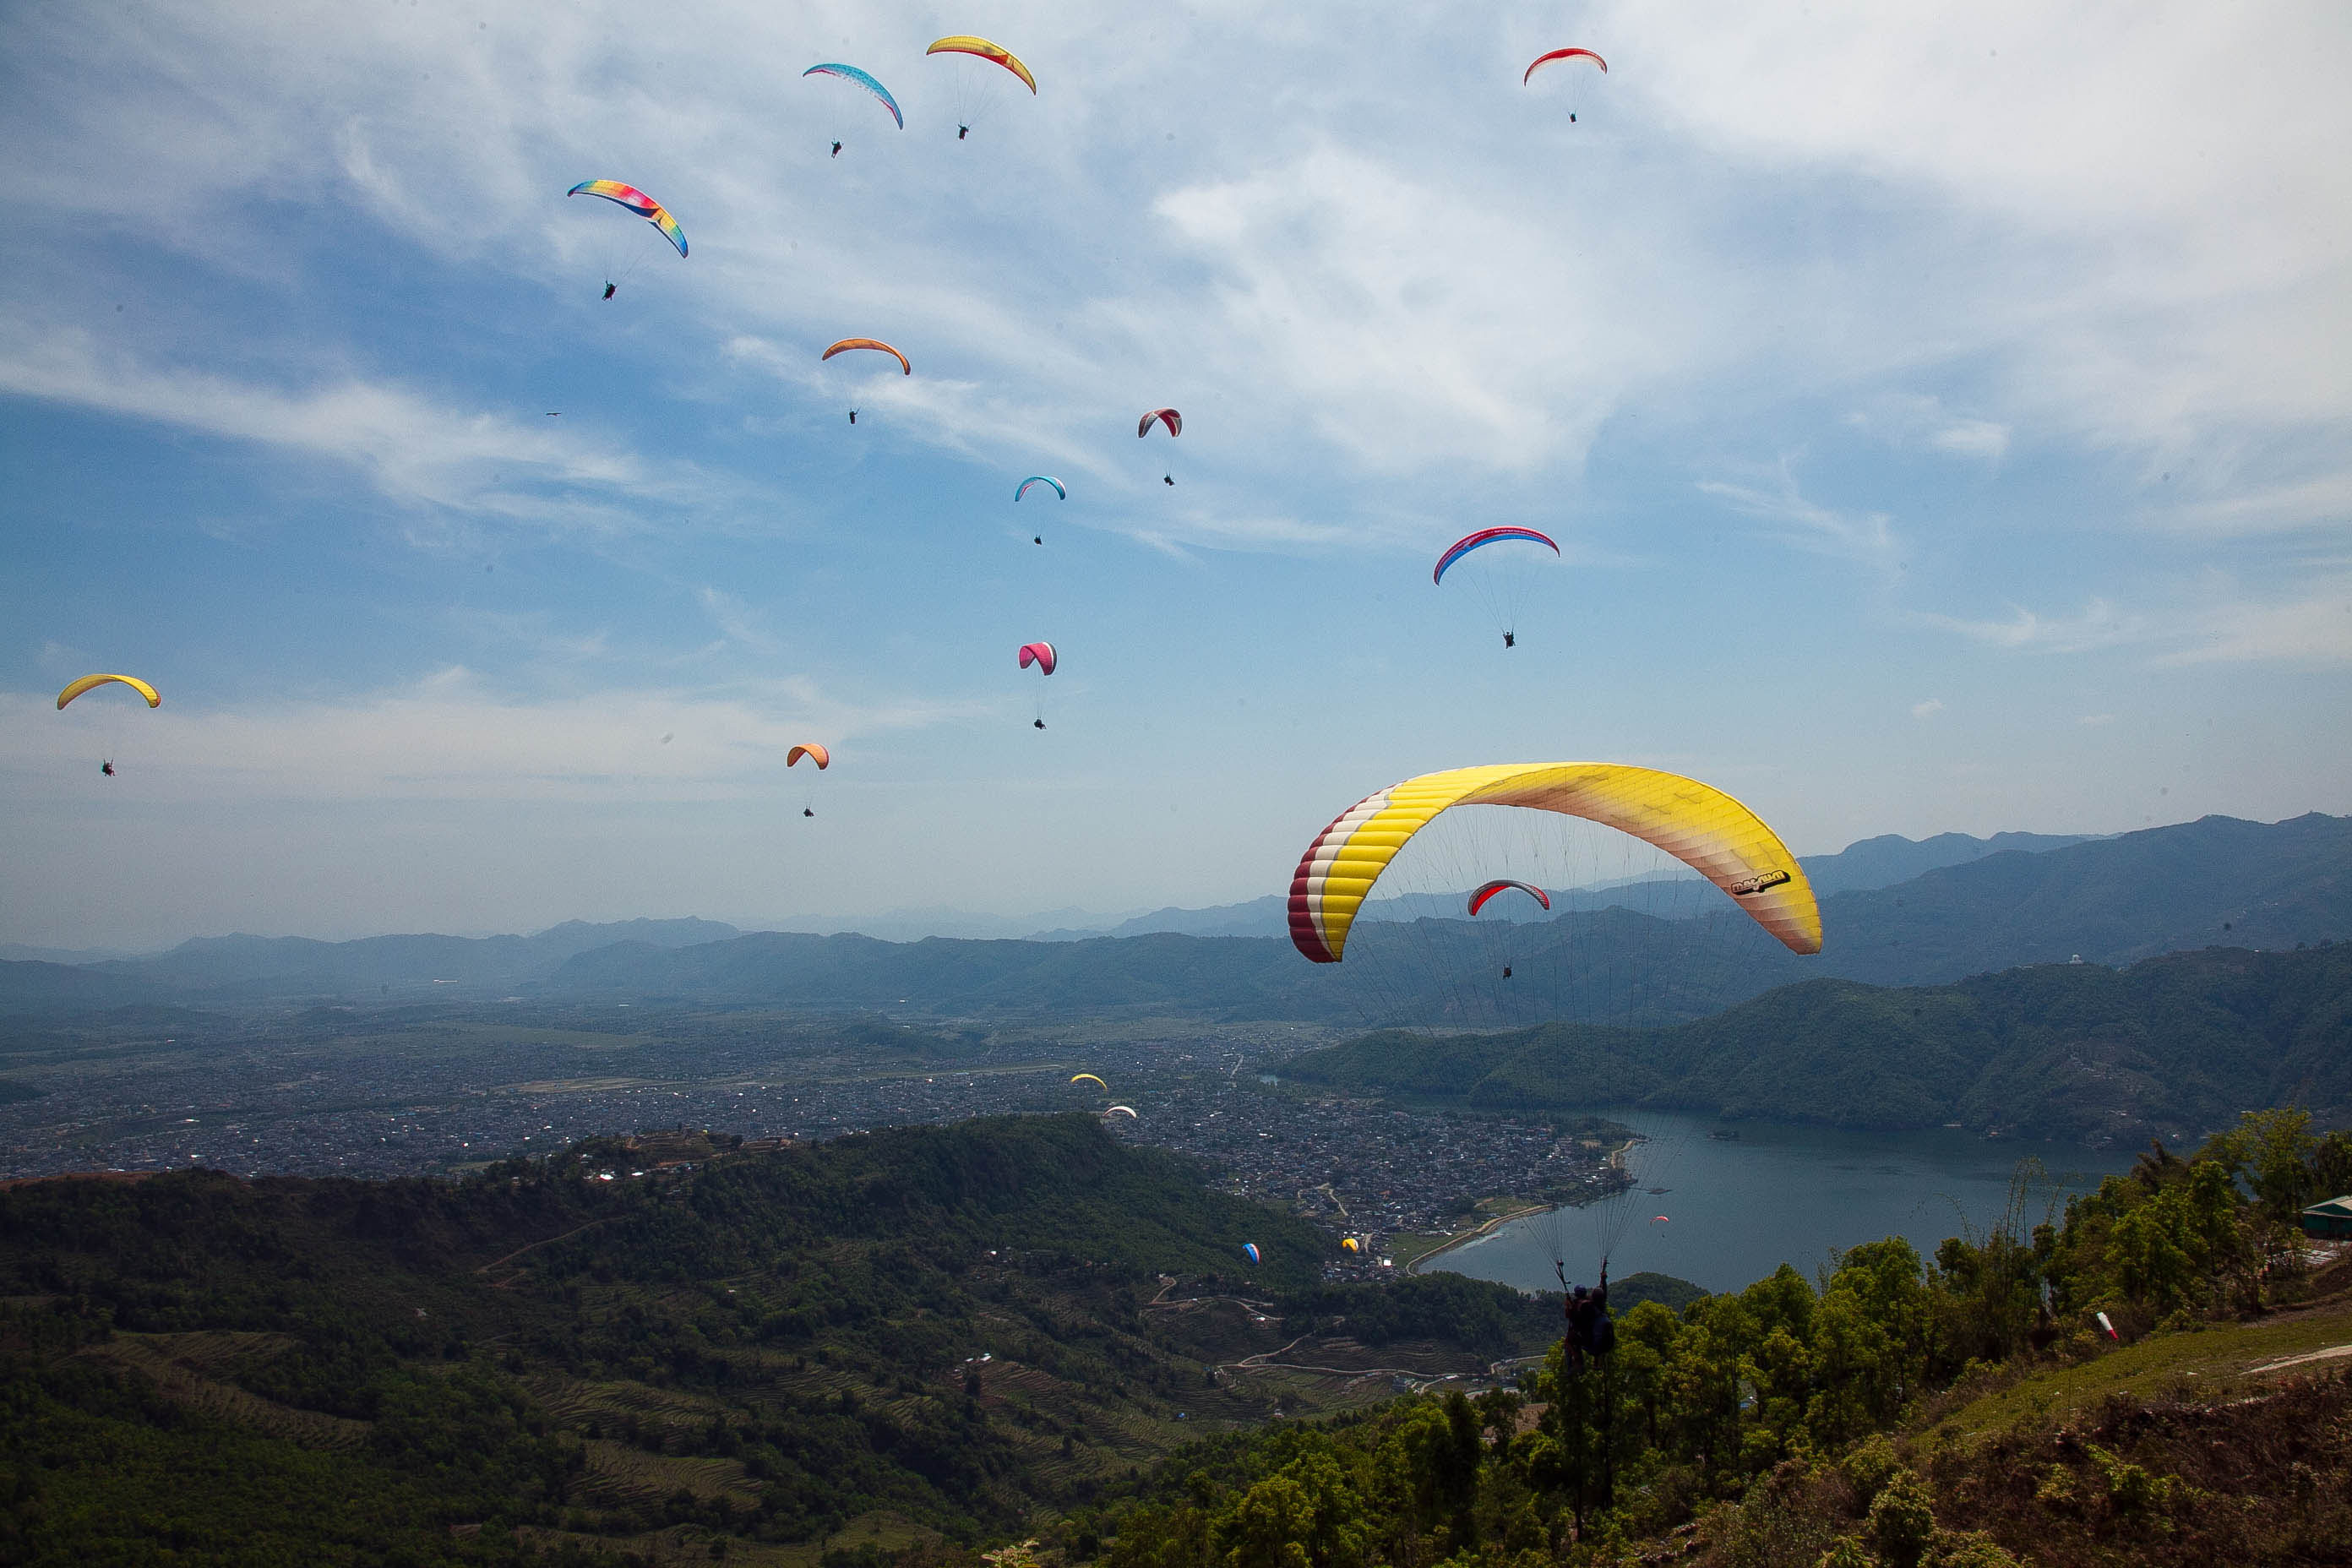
x,y
2201,1365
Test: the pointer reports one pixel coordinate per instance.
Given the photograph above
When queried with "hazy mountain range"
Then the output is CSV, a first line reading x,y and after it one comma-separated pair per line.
x,y
1984,905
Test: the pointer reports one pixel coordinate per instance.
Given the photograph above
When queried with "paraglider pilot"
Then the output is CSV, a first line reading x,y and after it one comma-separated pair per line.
x,y
107,768
1039,722
1591,1334
608,289
1167,478
836,148
808,810
852,417
962,132
1510,639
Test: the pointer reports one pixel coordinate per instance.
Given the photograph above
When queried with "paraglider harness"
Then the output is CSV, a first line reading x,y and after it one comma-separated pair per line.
x,y
1590,1332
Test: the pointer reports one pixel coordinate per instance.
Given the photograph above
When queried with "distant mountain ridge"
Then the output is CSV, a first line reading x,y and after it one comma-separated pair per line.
x,y
2175,1043
2215,881
1868,863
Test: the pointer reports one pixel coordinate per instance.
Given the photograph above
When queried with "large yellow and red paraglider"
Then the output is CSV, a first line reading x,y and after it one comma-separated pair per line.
x,y
1696,823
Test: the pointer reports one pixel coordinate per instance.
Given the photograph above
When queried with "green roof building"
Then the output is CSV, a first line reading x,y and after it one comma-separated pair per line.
x,y
2331,1219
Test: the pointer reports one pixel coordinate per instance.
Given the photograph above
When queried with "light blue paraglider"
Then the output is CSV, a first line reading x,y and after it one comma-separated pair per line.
x,y
851,73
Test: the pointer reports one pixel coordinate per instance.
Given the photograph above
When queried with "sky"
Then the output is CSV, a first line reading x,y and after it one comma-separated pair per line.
x,y
1943,415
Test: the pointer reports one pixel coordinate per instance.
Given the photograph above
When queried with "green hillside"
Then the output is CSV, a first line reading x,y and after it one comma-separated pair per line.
x,y
2054,1050
919,1334
1967,1411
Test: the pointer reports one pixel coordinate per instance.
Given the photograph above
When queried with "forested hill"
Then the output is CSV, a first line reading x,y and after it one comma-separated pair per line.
x,y
2180,1043
2166,890
930,1329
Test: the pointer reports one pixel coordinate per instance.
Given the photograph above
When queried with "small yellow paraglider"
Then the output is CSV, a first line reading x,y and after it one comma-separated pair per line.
x,y
90,682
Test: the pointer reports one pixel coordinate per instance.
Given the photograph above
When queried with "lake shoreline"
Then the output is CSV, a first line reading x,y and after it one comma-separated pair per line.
x,y
1779,1194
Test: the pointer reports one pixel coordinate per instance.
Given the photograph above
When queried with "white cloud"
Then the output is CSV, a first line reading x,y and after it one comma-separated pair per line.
x,y
2095,720
1934,705
2098,625
411,450
2314,628
1972,438
2238,508
1864,537
450,737
1913,419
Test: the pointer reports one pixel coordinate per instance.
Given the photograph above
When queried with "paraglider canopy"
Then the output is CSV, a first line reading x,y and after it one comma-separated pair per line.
x,y
90,683
1041,480
1040,654
1090,1077
1545,59
1117,1110
637,202
1168,416
846,345
1485,536
1478,901
1696,823
1249,1250
813,751
964,44
852,74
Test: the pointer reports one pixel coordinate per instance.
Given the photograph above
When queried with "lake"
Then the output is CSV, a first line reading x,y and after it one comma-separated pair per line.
x,y
1736,1210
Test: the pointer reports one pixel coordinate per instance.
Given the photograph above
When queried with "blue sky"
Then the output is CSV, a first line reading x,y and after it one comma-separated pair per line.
x,y
1943,414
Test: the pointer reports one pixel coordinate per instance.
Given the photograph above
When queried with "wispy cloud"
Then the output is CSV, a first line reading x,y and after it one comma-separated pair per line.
x,y
451,736
412,449
2096,625
2223,624
1864,537
1927,709
1911,419
2314,628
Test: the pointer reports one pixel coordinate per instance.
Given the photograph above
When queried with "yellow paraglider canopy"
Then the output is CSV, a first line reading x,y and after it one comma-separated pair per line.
x,y
1090,1077
965,44
89,682
1696,823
